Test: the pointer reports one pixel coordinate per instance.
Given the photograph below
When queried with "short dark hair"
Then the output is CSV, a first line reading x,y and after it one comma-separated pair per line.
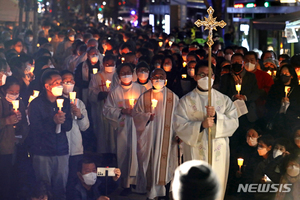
x,y
109,57
249,53
236,55
47,75
123,65
203,63
85,160
64,72
295,60
267,139
11,80
264,53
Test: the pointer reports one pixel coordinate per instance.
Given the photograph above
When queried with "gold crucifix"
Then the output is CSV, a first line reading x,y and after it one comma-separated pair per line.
x,y
210,24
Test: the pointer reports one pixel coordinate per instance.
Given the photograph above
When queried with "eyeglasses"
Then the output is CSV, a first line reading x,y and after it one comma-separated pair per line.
x,y
69,82
203,75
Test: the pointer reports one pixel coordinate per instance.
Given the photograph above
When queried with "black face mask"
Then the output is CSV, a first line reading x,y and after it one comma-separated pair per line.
x,y
236,67
285,78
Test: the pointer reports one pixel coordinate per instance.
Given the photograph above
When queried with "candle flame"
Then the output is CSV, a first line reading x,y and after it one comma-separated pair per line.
x,y
108,82
154,103
15,104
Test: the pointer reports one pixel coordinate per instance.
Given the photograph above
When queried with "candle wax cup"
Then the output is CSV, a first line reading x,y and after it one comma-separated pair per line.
x,y
131,102
183,76
154,103
59,103
95,70
36,93
15,104
108,83
72,95
240,161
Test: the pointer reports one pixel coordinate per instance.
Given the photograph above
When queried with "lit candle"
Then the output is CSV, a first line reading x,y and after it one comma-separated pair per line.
x,y
184,64
154,104
36,93
160,43
72,96
122,59
108,82
31,69
286,90
274,72
269,72
38,45
170,43
60,103
240,163
15,104
183,76
238,88
31,98
131,102
95,70
49,39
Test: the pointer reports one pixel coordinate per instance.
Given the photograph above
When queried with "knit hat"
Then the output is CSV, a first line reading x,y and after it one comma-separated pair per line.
x,y
195,180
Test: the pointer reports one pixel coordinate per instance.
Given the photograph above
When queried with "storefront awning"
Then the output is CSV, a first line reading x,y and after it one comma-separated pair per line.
x,y
278,22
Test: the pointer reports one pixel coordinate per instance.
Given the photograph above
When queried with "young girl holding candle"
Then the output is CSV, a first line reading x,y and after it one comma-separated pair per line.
x,y
13,131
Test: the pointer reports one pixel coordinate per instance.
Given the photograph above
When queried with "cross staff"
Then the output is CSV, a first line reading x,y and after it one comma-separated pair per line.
x,y
210,24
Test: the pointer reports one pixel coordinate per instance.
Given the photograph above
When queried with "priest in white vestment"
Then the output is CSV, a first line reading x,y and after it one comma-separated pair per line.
x,y
193,117
156,142
99,88
118,110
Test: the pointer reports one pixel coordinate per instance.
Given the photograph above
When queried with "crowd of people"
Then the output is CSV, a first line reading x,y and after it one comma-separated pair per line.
x,y
142,96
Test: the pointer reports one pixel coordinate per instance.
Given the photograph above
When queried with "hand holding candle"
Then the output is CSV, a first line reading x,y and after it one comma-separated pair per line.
x,y
108,82
269,72
184,64
183,76
238,88
240,163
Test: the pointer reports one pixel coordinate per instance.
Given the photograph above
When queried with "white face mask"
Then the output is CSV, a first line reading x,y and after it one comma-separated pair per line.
x,y
3,79
158,84
9,73
203,83
292,170
30,39
11,97
68,88
167,68
276,153
90,178
57,91
228,57
51,66
262,151
110,69
143,75
252,141
191,72
249,67
51,52
94,58
126,79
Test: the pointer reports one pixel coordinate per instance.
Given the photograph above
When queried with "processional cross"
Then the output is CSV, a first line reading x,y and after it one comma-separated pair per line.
x,y
210,24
